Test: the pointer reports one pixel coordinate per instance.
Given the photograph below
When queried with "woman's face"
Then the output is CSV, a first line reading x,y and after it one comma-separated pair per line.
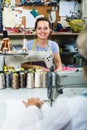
x,y
42,30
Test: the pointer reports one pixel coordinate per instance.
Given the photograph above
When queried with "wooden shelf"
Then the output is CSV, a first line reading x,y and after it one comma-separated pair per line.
x,y
65,33
33,34
68,53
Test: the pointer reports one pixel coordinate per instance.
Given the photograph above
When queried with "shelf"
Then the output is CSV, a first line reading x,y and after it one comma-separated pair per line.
x,y
33,34
36,3
65,33
68,53
13,54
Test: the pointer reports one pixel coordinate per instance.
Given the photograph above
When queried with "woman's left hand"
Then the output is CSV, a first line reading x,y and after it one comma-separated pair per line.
x,y
33,101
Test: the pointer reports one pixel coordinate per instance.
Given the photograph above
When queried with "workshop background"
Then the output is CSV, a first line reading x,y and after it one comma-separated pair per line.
x,y
68,18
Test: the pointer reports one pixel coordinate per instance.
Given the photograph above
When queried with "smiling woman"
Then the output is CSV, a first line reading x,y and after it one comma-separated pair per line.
x,y
42,43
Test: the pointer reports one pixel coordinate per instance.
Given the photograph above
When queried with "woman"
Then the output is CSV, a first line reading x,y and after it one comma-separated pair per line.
x,y
51,48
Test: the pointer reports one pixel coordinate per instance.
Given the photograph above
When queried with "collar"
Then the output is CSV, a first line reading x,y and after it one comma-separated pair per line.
x,y
35,43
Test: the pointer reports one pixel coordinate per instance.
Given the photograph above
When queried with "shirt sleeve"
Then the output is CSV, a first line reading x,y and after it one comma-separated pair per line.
x,y
57,117
29,119
54,47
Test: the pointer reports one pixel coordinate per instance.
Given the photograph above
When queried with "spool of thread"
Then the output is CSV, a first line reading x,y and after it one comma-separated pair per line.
x,y
24,45
7,80
4,45
15,81
22,79
30,80
44,80
37,79
2,81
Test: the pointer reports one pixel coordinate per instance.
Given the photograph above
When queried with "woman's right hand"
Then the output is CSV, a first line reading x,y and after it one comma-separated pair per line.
x,y
45,69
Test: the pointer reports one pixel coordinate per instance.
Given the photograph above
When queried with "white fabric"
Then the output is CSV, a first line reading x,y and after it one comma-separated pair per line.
x,y
15,110
66,114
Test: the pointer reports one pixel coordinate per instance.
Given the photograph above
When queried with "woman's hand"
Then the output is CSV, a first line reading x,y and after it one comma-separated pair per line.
x,y
33,101
58,69
45,69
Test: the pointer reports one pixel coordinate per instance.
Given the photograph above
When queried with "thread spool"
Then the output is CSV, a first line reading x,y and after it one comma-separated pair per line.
x,y
22,80
44,80
37,79
7,80
24,45
4,45
30,80
15,81
2,81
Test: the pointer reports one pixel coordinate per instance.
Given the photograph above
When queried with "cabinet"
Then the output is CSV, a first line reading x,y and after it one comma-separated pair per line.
x,y
65,39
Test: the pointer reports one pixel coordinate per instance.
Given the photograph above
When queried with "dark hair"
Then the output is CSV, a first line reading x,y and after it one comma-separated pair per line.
x,y
42,19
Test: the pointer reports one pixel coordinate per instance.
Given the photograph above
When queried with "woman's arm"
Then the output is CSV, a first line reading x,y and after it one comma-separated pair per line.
x,y
28,66
57,62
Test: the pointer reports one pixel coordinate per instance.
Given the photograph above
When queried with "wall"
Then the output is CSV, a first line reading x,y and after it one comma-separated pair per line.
x,y
84,10
42,10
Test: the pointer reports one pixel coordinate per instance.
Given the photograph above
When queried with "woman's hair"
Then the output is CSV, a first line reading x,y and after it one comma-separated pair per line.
x,y
82,47
42,19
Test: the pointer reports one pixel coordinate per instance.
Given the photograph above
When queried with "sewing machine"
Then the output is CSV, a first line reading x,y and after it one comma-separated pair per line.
x,y
17,58
57,81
